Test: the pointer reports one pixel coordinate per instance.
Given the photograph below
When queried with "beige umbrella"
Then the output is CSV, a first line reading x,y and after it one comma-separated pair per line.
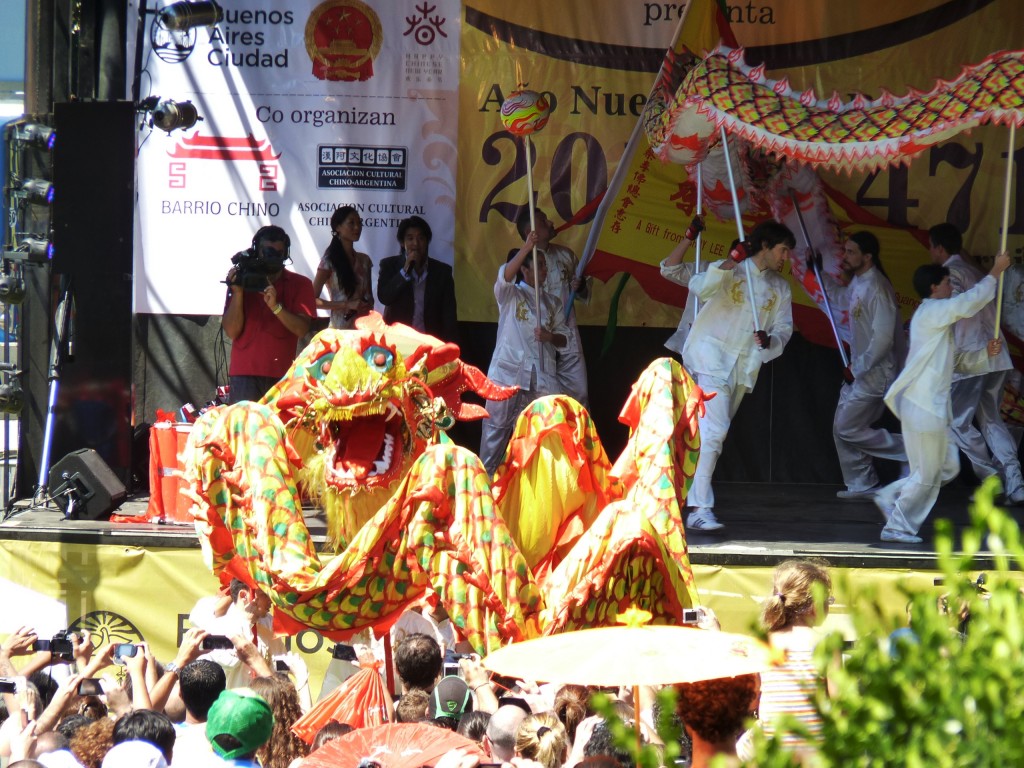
x,y
633,656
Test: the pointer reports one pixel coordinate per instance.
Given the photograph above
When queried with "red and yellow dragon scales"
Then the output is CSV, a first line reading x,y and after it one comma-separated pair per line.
x,y
562,539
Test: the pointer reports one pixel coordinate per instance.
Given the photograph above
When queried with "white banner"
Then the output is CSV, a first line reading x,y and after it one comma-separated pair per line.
x,y
305,107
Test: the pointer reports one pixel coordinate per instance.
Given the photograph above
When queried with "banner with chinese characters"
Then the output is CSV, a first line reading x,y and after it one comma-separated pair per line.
x,y
306,106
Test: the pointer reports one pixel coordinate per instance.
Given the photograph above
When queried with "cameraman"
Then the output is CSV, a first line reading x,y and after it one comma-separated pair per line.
x,y
268,310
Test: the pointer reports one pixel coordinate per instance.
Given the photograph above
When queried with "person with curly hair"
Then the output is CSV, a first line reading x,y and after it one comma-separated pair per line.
x,y
715,712
92,742
283,746
542,738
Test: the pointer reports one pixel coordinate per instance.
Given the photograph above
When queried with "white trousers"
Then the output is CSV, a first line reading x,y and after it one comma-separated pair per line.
x,y
857,441
714,426
496,430
934,461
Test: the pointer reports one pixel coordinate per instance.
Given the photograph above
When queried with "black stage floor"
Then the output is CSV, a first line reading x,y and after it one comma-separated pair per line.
x,y
765,523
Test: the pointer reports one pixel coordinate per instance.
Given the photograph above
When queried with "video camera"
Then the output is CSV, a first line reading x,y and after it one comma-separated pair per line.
x,y
254,266
60,646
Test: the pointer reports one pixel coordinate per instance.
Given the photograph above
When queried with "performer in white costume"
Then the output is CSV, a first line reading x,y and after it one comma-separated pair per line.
x,y
723,351
562,283
878,347
920,397
978,379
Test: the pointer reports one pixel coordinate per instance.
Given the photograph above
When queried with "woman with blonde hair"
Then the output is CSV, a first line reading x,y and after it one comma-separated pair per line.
x,y
541,737
800,600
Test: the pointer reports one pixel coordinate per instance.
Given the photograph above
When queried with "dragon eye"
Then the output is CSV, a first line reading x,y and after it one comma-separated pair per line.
x,y
379,358
319,368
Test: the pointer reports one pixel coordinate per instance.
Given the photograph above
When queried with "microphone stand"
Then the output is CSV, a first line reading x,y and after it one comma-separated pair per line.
x,y
59,347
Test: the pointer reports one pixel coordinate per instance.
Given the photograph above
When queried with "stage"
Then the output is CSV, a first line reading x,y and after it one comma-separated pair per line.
x,y
765,524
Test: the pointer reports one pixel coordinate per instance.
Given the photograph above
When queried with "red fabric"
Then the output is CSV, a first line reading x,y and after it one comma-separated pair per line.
x,y
265,347
360,701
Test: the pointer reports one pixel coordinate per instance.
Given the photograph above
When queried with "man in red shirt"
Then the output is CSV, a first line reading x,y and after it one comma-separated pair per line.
x,y
268,310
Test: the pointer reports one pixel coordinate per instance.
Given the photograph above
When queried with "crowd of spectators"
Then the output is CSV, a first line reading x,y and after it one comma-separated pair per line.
x,y
111,706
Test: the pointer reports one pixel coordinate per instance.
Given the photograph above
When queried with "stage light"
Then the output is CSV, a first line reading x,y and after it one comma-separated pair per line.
x,y
38,191
184,15
169,115
36,135
12,289
36,249
12,397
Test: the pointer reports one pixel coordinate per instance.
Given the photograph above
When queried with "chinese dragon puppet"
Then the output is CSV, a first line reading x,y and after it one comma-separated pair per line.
x,y
559,539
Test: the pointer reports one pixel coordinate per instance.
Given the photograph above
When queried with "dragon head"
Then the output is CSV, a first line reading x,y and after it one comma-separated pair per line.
x,y
361,405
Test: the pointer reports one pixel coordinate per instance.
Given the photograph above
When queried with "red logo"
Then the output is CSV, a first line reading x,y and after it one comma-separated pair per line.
x,y
246,148
343,37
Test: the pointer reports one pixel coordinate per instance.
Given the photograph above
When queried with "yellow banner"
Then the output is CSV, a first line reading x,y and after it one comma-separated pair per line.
x,y
821,45
129,594
121,594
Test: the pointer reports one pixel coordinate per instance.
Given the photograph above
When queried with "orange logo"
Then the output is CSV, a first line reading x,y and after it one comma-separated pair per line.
x,y
343,37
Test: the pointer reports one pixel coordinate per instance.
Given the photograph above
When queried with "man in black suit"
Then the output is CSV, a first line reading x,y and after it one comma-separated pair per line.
x,y
415,289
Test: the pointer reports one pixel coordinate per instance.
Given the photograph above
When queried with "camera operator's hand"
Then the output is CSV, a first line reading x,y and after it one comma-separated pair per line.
x,y
583,733
232,281
270,296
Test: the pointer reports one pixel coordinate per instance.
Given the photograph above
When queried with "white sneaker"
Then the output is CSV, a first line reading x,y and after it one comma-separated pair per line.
x,y
703,519
867,495
899,537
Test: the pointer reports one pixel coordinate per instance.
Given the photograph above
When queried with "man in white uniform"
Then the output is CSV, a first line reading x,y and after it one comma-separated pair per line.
x,y
877,349
724,352
920,397
978,379
562,283
521,349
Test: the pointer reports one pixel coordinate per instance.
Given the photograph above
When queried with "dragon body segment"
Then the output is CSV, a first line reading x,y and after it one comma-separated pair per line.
x,y
562,538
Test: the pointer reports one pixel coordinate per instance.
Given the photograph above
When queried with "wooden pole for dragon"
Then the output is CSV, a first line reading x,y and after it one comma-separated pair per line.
x,y
1006,223
739,230
536,272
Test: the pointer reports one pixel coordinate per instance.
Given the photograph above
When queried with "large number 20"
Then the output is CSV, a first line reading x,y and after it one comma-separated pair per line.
x,y
562,168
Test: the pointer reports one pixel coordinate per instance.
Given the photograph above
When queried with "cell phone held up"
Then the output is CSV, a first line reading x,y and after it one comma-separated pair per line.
x,y
124,651
217,643
90,686
8,685
343,652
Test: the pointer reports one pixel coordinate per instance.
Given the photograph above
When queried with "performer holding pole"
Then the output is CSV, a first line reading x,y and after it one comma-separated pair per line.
x,y
524,113
722,354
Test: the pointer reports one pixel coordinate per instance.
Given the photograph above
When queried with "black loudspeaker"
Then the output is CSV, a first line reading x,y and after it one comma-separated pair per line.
x,y
85,487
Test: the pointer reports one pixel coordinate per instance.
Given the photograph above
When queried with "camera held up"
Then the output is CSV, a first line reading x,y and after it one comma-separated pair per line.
x,y
253,267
